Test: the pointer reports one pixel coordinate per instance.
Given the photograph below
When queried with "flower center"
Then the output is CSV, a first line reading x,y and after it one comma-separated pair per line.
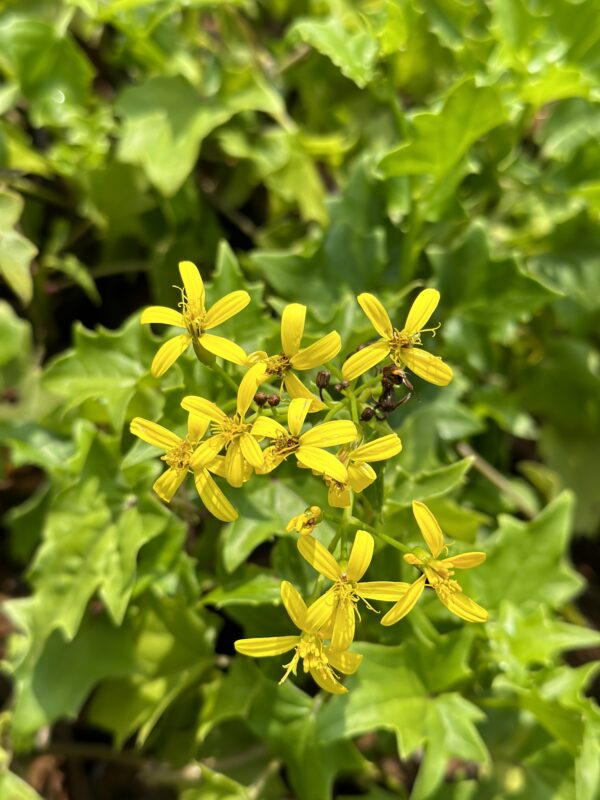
x,y
193,315
310,649
278,365
232,428
284,445
439,576
179,457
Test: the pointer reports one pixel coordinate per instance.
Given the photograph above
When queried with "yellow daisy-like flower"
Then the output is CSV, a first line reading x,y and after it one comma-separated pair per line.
x,y
232,434
178,457
437,574
404,346
293,357
306,447
306,522
360,473
308,646
335,611
196,320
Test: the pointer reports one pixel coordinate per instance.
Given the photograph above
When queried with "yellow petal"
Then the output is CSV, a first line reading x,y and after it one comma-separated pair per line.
x,y
197,427
319,557
192,282
364,359
153,433
168,354
206,452
265,646
430,368
203,408
249,385
168,483
343,626
360,476
465,560
338,496
217,466
329,434
321,611
406,604
464,607
223,348
360,555
322,462
378,316
297,411
161,315
225,308
382,590
318,353
345,662
292,328
379,449
412,559
267,426
213,498
272,460
296,389
420,311
327,682
235,467
294,605
429,527
251,450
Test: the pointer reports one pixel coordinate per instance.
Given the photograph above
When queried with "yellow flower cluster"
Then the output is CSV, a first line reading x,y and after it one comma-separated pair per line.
x,y
255,441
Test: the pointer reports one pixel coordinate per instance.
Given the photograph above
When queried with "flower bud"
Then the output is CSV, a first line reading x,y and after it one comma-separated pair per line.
x,y
260,398
273,400
367,414
323,378
306,522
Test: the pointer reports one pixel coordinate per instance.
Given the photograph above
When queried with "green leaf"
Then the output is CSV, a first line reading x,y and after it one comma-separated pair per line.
x,y
426,484
254,588
442,138
354,53
16,252
541,574
166,120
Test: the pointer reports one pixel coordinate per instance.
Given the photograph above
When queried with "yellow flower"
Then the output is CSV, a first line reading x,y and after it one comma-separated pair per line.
x,y
334,611
232,434
437,574
196,320
317,659
402,346
307,447
360,474
306,522
178,457
293,357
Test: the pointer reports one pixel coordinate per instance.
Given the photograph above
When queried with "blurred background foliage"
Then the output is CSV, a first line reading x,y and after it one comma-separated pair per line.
x,y
306,151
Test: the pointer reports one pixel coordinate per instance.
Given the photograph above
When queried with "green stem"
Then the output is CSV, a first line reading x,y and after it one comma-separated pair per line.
x,y
333,411
226,377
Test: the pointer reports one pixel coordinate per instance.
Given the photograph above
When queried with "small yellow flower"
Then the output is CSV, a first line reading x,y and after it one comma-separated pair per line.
x,y
196,320
293,357
307,447
437,574
404,346
306,522
308,646
232,434
178,457
360,474
334,611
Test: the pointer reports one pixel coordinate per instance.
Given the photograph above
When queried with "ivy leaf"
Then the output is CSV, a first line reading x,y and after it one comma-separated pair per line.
x,y
16,251
426,484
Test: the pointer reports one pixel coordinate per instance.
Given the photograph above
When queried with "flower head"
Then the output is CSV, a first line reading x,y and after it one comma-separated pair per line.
x,y
306,447
437,573
293,357
232,434
403,346
335,611
360,473
178,457
306,522
308,646
195,319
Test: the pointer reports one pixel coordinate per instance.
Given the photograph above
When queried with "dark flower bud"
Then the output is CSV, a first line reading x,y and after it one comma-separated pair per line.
x,y
260,398
367,414
273,400
323,379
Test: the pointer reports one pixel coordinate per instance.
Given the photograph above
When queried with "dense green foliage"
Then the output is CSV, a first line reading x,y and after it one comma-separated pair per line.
x,y
305,152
